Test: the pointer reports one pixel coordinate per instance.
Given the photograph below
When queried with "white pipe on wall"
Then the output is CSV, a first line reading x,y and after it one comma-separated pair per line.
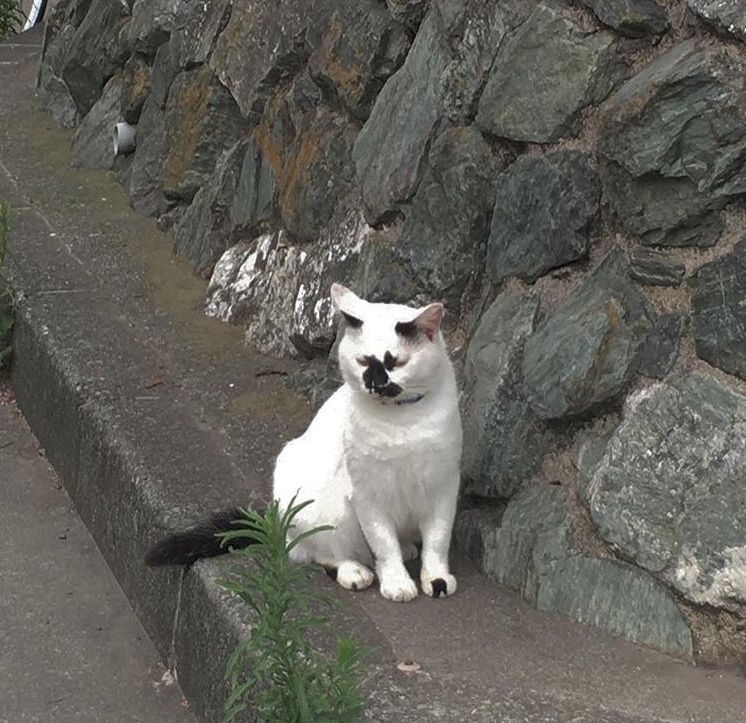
x,y
124,138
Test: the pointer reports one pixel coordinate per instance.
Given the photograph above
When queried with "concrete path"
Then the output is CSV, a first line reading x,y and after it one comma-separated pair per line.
x,y
71,649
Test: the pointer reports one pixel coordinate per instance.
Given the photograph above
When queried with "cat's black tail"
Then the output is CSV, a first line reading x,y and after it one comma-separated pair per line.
x,y
184,548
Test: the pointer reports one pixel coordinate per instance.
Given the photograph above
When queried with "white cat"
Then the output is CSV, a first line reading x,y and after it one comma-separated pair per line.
x,y
381,458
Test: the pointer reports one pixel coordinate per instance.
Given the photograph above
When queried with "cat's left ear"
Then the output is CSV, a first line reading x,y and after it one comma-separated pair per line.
x,y
429,319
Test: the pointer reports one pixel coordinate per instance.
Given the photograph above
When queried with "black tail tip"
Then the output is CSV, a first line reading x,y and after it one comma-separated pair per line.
x,y
171,550
185,548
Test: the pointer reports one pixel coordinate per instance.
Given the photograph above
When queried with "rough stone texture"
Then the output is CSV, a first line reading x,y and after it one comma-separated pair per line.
x,y
473,526
146,175
662,347
655,267
196,27
589,451
618,598
588,349
633,18
443,238
675,139
380,276
317,172
535,532
727,17
719,312
202,121
135,87
152,22
504,442
402,122
307,147
442,77
282,290
233,203
409,12
360,49
93,50
256,53
253,202
670,493
472,32
544,206
550,69
205,230
93,145
53,93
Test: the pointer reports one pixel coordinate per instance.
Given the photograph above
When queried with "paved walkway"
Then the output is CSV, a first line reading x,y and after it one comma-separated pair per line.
x,y
71,649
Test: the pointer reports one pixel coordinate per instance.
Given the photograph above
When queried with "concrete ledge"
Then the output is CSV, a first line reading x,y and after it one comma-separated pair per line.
x,y
153,415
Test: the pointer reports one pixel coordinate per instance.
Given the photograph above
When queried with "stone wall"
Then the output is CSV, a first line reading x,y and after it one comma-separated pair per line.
x,y
568,177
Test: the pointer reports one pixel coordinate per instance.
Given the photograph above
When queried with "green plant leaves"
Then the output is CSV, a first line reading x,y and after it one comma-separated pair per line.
x,y
11,18
279,672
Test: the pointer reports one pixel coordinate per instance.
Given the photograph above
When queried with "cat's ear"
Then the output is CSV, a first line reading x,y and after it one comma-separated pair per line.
x,y
427,322
348,304
343,299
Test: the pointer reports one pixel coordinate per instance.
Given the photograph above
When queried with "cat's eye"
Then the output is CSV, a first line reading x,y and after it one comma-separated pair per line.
x,y
352,321
363,361
408,329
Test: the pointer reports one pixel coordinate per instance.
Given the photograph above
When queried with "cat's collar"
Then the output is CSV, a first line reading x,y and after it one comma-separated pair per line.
x,y
410,400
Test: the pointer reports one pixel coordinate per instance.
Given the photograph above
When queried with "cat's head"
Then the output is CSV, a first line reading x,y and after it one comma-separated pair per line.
x,y
391,352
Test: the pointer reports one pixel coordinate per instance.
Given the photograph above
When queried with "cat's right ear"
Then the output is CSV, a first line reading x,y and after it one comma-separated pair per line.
x,y
348,304
343,299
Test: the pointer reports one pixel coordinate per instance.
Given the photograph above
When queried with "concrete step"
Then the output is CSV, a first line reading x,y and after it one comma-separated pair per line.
x,y
153,414
72,649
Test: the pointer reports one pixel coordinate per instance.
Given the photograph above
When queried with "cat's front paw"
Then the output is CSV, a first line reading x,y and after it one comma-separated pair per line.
x,y
353,576
438,585
399,588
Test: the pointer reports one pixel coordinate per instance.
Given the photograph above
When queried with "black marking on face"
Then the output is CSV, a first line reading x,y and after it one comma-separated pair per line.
x,y
376,379
352,321
353,587
389,361
375,376
408,329
440,589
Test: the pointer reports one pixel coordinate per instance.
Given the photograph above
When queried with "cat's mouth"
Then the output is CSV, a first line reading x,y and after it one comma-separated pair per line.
x,y
387,391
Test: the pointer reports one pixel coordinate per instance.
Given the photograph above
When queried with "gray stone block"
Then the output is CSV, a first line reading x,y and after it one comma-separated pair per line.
x,y
718,311
617,598
92,58
669,492
587,349
93,144
359,50
725,17
674,138
662,346
544,206
633,18
546,72
504,441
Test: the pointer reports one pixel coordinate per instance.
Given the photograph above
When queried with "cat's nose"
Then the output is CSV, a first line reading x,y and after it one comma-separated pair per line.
x,y
375,377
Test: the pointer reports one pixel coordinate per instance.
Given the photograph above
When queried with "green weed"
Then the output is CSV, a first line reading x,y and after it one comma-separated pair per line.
x,y
11,18
278,671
